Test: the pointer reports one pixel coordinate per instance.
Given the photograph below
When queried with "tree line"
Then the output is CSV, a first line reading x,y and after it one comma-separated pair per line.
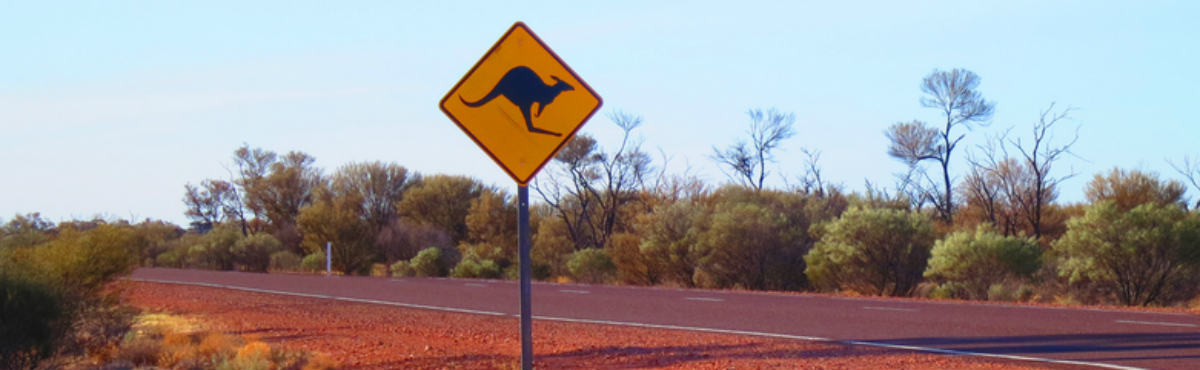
x,y
609,213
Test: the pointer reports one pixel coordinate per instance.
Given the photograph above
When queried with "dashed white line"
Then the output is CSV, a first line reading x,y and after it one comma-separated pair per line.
x,y
878,308
1159,323
574,291
705,299
475,285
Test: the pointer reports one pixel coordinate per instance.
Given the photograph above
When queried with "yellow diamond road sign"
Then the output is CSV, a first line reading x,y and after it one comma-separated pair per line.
x,y
520,103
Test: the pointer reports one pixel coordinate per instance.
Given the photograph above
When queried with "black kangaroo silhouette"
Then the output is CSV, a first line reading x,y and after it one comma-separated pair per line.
x,y
523,87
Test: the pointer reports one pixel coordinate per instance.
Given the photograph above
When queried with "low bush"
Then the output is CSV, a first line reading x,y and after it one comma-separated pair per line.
x,y
285,261
471,268
30,316
871,251
401,269
52,298
214,250
591,266
314,262
428,262
975,265
1148,255
253,253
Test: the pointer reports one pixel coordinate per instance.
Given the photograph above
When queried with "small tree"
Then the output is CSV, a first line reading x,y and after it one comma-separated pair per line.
x,y
953,94
975,261
738,246
671,244
589,187
214,250
1147,255
336,218
871,251
1129,189
1190,170
748,162
442,201
206,204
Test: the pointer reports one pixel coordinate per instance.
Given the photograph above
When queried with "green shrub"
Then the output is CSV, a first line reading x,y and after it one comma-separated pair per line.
x,y
871,251
214,250
1010,292
538,270
591,266
52,298
471,268
978,261
253,253
169,258
314,262
30,316
1147,255
428,262
285,261
947,290
401,269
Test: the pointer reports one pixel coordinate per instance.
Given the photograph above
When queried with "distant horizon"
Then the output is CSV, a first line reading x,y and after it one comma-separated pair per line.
x,y
111,108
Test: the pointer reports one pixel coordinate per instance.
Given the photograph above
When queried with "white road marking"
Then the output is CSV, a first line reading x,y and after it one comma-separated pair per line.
x,y
1159,323
475,285
877,308
575,291
320,296
669,327
705,299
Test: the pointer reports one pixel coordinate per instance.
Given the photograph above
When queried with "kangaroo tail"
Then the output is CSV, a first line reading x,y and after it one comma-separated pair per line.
x,y
484,100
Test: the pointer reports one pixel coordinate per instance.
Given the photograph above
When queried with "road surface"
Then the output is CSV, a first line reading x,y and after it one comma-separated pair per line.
x,y
1096,338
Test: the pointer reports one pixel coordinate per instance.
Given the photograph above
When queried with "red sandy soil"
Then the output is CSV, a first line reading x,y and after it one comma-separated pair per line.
x,y
366,336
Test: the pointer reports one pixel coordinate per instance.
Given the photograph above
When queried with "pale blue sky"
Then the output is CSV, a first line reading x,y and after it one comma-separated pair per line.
x,y
110,107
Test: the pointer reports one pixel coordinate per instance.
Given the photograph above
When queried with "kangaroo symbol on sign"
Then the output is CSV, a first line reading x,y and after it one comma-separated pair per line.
x,y
523,87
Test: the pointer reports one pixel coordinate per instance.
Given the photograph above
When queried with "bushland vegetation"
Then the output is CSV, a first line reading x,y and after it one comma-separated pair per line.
x,y
608,216
610,213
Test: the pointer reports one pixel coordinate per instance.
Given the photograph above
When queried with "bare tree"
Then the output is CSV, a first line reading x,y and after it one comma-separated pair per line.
x,y
1190,169
811,181
1039,157
953,94
588,187
380,186
748,162
1016,189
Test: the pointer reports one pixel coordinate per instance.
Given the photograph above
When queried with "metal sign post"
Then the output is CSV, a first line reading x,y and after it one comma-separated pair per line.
x,y
526,270
328,259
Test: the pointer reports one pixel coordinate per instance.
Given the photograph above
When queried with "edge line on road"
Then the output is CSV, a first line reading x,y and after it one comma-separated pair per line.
x,y
658,326
899,309
346,299
1159,323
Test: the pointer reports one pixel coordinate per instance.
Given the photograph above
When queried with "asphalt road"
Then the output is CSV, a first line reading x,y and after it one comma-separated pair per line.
x,y
1091,338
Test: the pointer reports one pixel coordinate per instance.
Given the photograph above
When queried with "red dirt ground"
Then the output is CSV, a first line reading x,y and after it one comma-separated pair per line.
x,y
366,336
